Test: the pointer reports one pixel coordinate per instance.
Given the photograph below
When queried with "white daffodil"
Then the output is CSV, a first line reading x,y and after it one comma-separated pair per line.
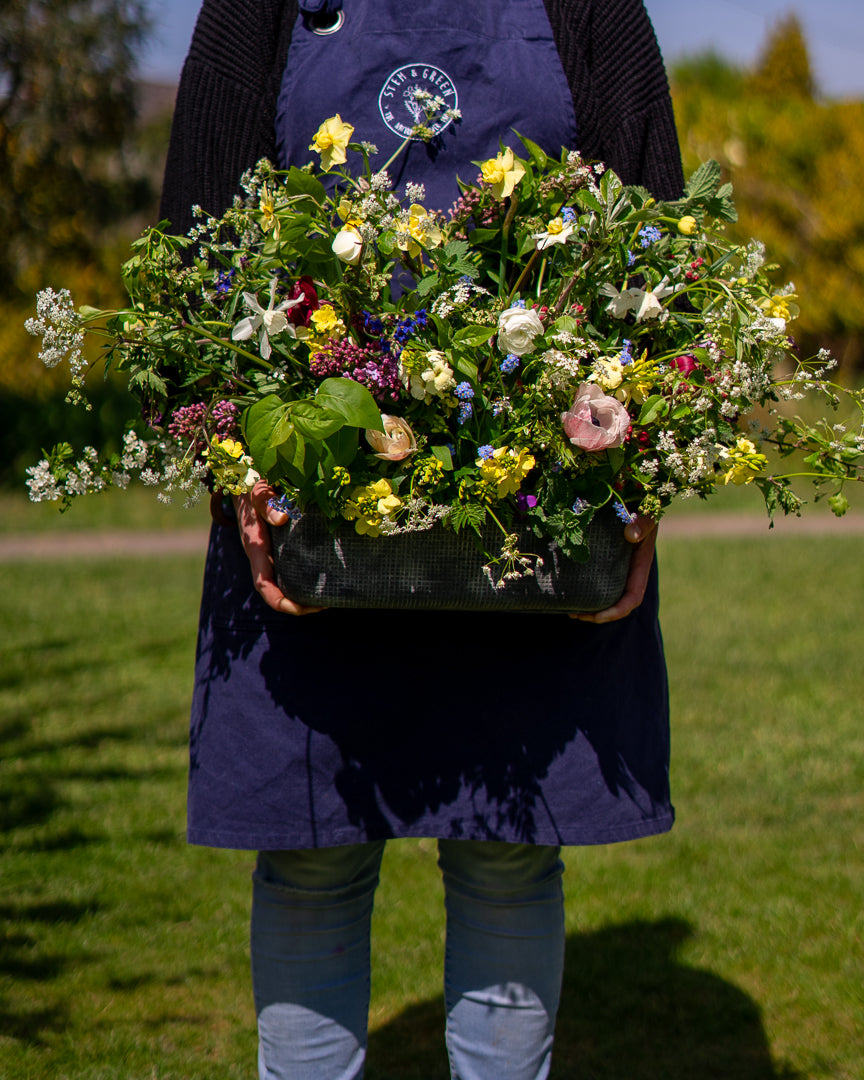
x,y
557,232
644,302
271,320
621,302
649,305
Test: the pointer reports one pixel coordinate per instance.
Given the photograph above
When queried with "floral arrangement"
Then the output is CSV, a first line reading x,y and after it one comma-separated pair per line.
x,y
553,343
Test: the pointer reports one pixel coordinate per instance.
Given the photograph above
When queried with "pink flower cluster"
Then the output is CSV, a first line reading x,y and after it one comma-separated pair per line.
x,y
187,422
378,371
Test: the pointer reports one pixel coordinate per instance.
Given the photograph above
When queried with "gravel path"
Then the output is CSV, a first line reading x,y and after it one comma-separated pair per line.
x,y
109,543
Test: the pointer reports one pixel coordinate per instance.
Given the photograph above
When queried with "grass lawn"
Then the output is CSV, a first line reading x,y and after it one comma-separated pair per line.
x,y
730,948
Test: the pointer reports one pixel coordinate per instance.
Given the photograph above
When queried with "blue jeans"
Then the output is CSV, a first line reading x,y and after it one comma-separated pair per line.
x,y
504,955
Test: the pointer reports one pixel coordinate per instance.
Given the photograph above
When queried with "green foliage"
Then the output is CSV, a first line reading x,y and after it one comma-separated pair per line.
x,y
783,68
796,164
67,108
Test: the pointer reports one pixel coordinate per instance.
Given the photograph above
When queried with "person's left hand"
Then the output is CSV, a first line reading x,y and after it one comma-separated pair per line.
x,y
643,534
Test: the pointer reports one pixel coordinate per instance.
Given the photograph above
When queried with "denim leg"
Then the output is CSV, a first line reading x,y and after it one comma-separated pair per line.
x,y
504,957
311,916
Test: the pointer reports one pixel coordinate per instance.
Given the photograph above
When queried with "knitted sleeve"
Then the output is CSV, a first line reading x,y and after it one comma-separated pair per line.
x,y
224,118
620,90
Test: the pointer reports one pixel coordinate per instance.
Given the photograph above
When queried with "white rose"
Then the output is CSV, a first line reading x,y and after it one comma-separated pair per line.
x,y
517,328
347,245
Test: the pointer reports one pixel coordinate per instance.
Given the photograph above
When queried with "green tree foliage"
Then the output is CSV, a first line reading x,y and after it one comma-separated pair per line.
x,y
67,109
796,165
783,68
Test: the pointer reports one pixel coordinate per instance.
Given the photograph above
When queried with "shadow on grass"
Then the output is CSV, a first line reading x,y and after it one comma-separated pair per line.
x,y
630,1008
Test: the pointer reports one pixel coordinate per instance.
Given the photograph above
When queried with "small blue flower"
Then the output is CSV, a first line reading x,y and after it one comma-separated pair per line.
x,y
568,215
580,506
624,514
649,235
466,411
631,258
509,363
485,451
625,357
518,303
464,391
223,281
371,324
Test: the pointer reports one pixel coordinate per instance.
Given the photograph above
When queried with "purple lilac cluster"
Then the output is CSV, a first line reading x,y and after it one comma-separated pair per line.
x,y
187,422
377,370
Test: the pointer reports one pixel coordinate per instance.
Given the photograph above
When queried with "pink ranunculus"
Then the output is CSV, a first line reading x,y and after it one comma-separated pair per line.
x,y
685,363
595,421
395,442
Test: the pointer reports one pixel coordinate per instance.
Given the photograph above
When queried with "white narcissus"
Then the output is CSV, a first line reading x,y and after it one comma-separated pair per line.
x,y
270,320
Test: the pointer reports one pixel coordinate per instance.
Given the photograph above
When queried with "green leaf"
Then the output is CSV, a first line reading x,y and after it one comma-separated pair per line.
x,y
298,182
427,284
442,453
589,201
653,409
294,461
538,156
443,329
466,367
352,401
264,429
474,335
314,422
703,183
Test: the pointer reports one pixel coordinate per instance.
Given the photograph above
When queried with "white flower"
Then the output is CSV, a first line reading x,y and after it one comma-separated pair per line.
x,y
645,302
432,380
348,245
271,320
517,328
557,232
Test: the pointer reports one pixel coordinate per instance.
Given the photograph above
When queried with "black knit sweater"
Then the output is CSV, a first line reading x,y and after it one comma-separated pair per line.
x,y
224,119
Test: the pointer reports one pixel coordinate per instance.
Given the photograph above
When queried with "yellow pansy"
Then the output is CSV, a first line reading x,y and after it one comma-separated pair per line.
x,y
503,173
331,142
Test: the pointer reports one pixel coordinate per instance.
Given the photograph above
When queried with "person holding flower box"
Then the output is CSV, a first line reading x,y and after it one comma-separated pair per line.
x,y
316,739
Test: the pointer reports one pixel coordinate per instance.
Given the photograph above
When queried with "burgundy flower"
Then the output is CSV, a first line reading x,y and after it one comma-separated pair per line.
x,y
685,363
301,314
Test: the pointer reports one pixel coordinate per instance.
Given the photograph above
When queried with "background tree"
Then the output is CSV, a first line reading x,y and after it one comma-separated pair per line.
x,y
67,111
796,163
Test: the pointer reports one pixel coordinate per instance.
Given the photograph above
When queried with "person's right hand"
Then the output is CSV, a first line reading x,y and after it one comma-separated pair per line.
x,y
254,513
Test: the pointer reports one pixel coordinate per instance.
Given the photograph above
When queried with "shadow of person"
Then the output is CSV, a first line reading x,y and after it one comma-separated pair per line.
x,y
630,1008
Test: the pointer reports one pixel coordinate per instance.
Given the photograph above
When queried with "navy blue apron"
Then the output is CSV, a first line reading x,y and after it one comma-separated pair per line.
x,y
496,63
350,726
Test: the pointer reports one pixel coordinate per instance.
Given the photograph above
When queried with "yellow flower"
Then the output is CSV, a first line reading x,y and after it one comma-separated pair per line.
x,y
608,373
687,225
232,468
267,206
506,469
503,172
326,321
743,462
422,230
370,505
331,141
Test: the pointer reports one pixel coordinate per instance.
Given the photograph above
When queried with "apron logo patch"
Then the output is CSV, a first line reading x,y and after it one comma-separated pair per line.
x,y
409,92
